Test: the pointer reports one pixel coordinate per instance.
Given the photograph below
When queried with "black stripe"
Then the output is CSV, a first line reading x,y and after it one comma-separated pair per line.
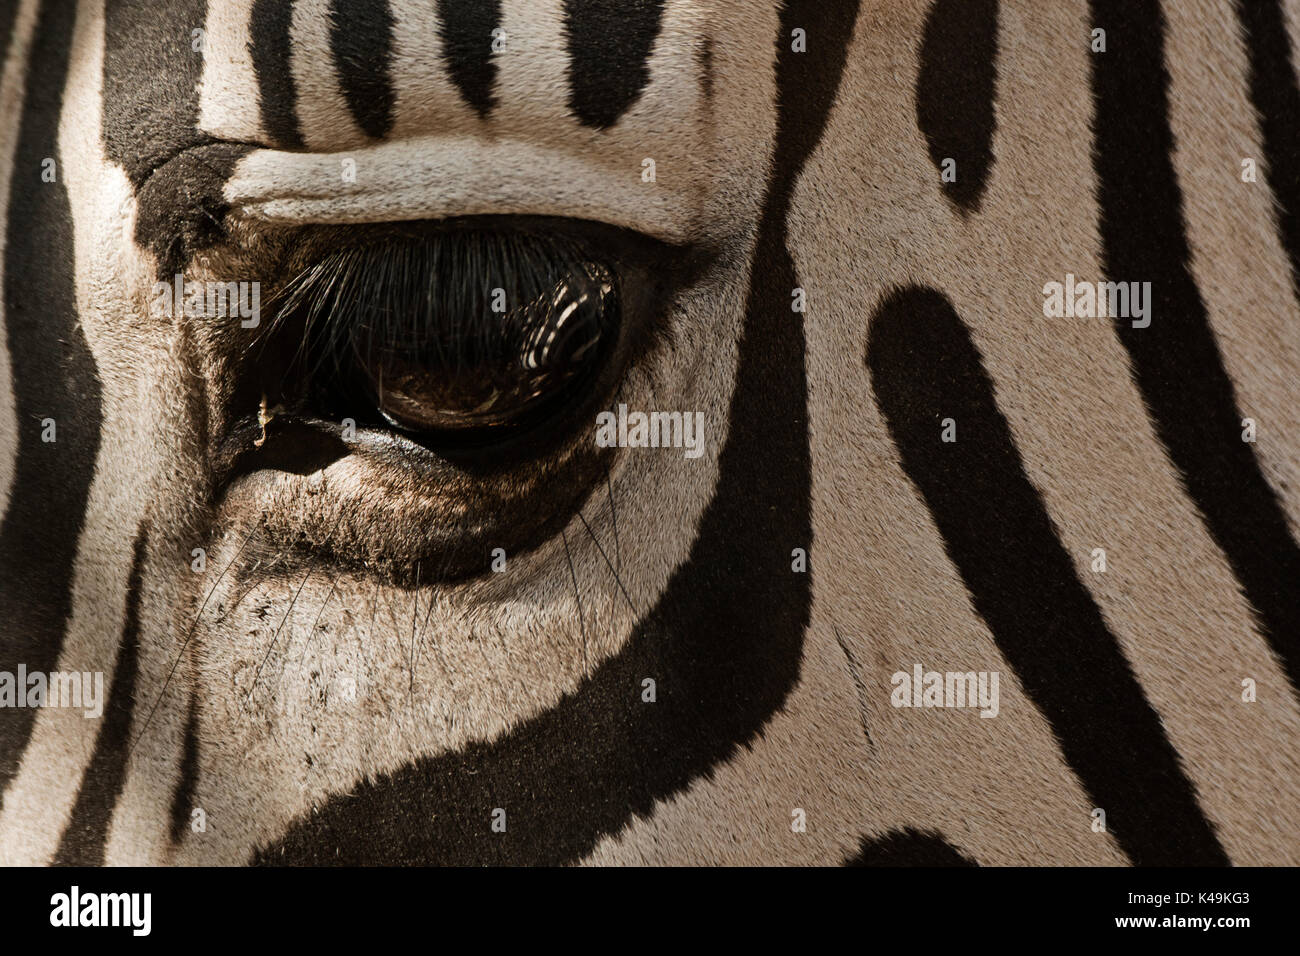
x,y
956,86
269,27
609,47
908,847
924,368
187,783
151,80
151,113
86,837
465,27
53,376
704,57
1176,361
182,208
723,643
1276,97
361,36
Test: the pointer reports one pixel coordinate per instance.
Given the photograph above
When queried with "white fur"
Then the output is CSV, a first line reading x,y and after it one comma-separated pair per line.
x,y
322,111
433,177
228,98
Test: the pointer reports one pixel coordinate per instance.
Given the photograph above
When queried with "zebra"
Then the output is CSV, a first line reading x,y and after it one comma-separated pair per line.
x,y
825,226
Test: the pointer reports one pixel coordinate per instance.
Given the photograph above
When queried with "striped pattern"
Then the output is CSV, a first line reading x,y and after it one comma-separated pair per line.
x,y
310,57
220,127
1142,231
48,495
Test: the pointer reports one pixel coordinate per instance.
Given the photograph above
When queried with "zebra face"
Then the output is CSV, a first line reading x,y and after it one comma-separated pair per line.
x,y
542,431
358,544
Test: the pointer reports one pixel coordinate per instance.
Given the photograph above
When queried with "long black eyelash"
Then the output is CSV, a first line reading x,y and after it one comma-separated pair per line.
x,y
430,296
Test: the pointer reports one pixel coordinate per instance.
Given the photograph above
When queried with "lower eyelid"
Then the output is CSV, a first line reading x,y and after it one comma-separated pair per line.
x,y
345,509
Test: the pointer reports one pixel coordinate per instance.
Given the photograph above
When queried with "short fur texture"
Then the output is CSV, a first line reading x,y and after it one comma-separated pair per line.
x,y
275,690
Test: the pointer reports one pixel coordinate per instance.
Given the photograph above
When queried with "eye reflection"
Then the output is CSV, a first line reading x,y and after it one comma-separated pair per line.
x,y
454,333
544,348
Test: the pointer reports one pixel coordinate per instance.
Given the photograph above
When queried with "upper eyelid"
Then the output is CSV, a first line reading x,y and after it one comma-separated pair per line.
x,y
439,177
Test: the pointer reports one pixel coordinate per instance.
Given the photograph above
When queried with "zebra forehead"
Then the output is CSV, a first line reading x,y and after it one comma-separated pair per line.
x,y
329,76
382,110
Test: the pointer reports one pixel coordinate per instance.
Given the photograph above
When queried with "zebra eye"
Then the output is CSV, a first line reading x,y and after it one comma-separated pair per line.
x,y
440,381
458,336
457,376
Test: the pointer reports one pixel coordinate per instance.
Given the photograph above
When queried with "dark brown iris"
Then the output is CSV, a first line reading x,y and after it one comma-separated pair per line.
x,y
454,335
461,376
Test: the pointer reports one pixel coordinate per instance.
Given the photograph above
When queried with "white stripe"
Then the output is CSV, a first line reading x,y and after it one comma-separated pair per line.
x,y
13,85
532,71
228,95
663,124
323,114
427,99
